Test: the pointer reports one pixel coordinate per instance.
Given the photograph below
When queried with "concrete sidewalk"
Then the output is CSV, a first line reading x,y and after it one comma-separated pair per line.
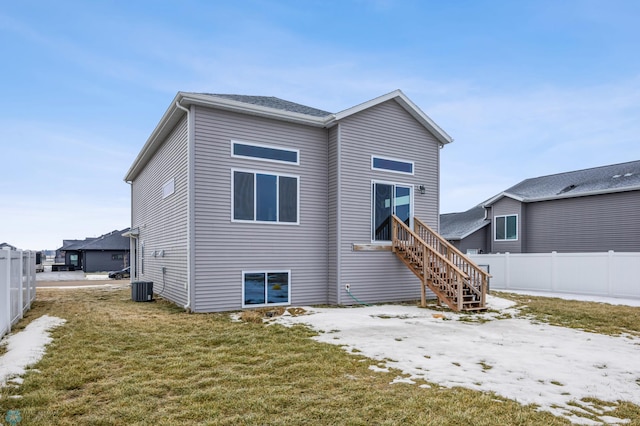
x,y
73,279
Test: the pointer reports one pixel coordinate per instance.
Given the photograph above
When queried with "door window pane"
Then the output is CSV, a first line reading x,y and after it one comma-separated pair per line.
x,y
403,204
382,209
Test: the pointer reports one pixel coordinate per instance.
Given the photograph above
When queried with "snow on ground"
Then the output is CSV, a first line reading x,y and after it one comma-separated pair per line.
x,y
26,348
581,297
532,363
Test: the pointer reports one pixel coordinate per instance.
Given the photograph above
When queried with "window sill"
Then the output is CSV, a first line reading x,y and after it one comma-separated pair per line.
x,y
371,247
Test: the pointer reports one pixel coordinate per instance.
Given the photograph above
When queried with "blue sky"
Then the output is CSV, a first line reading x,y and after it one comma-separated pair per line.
x,y
525,88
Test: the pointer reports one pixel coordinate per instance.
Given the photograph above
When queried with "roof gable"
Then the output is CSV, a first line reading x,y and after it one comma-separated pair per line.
x,y
408,105
268,107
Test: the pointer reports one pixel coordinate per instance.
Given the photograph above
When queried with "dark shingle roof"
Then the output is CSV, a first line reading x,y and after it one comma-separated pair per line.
x,y
275,103
456,226
110,241
612,178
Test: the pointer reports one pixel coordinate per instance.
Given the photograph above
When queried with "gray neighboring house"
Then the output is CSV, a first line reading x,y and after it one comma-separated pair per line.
x,y
590,210
247,201
108,252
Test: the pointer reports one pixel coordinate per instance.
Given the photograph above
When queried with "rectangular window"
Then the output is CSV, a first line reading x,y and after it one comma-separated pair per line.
x,y
117,257
261,288
391,165
168,188
389,199
265,197
506,228
265,153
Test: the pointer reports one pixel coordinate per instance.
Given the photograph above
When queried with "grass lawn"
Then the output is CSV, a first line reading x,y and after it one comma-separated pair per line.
x,y
117,362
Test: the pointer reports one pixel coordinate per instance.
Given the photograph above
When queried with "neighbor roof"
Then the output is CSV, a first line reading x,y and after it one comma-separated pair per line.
x,y
456,226
270,107
597,180
109,241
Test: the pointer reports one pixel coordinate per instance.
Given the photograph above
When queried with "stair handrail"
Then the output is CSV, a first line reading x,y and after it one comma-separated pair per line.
x,y
451,248
424,243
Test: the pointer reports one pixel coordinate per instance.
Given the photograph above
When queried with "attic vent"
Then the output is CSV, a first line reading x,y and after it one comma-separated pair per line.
x,y
567,189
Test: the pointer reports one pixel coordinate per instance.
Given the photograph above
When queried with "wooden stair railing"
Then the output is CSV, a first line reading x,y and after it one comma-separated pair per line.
x,y
460,286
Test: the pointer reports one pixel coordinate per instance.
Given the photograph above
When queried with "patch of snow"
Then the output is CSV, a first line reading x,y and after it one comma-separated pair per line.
x,y
580,297
532,363
97,277
26,347
378,369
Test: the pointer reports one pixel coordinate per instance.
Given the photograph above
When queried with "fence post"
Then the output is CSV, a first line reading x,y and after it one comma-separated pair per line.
x,y
507,270
6,308
610,269
554,271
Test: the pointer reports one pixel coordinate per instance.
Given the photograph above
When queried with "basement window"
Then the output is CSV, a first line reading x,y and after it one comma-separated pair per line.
x,y
265,288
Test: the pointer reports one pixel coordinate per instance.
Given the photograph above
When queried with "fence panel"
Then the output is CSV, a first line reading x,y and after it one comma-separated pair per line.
x,y
5,299
608,274
17,286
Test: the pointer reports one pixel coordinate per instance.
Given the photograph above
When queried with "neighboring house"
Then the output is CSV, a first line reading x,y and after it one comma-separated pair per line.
x,y
7,245
247,201
107,252
591,210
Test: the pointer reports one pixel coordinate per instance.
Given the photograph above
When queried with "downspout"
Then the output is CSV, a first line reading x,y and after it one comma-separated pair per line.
x,y
187,306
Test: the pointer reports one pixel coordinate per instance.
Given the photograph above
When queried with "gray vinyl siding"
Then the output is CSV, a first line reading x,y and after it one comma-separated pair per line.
x,y
334,190
163,222
502,207
102,261
478,240
387,130
223,248
594,223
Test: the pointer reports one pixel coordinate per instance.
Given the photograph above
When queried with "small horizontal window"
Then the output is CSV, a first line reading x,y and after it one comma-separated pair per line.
x,y
265,153
391,165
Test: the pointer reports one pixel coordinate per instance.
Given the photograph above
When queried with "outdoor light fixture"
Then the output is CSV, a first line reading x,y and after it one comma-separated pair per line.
x,y
422,189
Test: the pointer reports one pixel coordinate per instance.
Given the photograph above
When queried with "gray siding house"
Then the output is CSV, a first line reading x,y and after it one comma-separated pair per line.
x,y
248,201
590,210
107,252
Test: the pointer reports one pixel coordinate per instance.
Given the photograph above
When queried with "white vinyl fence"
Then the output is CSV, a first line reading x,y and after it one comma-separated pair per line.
x,y
609,274
17,286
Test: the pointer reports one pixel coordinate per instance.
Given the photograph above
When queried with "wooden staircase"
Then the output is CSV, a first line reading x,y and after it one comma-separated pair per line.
x,y
452,276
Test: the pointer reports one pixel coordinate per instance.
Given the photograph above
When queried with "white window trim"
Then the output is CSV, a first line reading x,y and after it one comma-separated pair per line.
x,y
371,212
269,160
168,188
277,222
382,157
517,228
266,271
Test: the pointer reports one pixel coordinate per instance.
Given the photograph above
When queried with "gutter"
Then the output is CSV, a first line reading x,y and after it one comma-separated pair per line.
x,y
187,306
